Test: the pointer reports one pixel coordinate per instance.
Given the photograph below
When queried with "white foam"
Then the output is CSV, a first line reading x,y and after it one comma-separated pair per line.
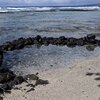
x,y
81,8
16,9
43,8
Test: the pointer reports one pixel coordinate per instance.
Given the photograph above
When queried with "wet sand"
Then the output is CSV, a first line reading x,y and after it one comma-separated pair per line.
x,y
65,84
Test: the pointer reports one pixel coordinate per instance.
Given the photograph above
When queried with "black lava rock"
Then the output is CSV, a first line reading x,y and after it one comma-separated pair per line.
x,y
1,98
46,41
38,40
18,80
80,42
29,41
91,36
6,75
8,46
1,57
41,82
19,44
71,42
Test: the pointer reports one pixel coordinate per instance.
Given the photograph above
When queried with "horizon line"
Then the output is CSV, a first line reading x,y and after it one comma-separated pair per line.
x,y
77,5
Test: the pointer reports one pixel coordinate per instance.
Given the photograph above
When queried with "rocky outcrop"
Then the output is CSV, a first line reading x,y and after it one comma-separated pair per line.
x,y
38,40
8,80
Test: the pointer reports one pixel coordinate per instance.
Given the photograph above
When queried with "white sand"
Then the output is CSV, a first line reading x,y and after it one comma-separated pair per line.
x,y
65,84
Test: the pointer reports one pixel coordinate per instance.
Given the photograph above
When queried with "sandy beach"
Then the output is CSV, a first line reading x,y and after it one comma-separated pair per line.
x,y
65,84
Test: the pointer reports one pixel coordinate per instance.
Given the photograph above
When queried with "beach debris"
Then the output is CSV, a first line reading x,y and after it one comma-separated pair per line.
x,y
97,79
98,85
97,73
89,74
32,89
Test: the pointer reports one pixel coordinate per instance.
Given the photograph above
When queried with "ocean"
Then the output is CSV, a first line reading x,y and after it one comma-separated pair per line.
x,y
16,22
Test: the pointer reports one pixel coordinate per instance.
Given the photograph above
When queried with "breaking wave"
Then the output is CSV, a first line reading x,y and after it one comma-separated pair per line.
x,y
40,9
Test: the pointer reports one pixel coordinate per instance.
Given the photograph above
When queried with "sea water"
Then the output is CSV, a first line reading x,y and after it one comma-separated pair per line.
x,y
50,22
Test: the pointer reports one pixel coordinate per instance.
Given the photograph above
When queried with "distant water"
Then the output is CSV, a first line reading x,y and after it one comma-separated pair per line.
x,y
46,21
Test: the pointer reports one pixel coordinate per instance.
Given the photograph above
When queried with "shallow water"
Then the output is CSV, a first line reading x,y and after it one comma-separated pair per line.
x,y
55,24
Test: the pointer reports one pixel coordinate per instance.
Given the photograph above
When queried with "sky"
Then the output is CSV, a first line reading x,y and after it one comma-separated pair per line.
x,y
46,2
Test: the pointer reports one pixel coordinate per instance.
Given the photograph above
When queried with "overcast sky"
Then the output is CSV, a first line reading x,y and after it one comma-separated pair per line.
x,y
47,2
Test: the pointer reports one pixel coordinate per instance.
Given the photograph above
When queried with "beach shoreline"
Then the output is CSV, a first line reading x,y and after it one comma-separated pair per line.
x,y
71,83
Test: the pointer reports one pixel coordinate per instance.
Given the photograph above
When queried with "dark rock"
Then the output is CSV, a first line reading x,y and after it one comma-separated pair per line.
x,y
71,42
11,47
31,85
97,42
46,41
91,36
38,37
41,82
90,39
29,41
5,70
98,78
91,47
55,41
10,84
38,40
8,46
8,80
97,73
32,89
51,65
1,57
1,47
61,40
31,77
49,40
89,68
7,76
1,98
98,85
5,87
80,42
19,44
18,80
36,73
89,74
1,91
